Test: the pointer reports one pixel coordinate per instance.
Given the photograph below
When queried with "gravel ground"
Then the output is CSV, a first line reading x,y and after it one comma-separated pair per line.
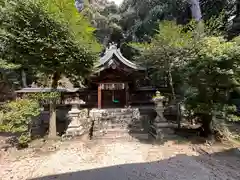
x,y
120,159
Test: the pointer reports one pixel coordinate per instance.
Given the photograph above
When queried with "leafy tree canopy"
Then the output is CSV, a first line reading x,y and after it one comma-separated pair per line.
x,y
50,37
169,49
47,36
140,18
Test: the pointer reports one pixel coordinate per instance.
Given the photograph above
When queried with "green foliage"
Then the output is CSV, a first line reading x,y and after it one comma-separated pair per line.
x,y
169,49
47,37
9,66
209,74
7,74
196,57
44,96
205,67
230,113
16,117
23,140
64,12
140,18
105,18
169,45
216,25
50,37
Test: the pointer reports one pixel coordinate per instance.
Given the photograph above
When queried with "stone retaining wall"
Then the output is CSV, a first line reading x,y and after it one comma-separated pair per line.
x,y
129,120
75,122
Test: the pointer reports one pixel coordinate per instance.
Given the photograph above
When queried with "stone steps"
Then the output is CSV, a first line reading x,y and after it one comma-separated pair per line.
x,y
117,115
117,123
128,117
110,125
119,126
119,131
111,134
123,135
116,138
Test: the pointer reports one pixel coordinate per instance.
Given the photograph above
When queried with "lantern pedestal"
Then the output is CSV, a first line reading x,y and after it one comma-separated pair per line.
x,y
160,127
75,127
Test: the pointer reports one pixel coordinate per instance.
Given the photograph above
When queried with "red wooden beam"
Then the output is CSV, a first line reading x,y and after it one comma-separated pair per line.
x,y
99,96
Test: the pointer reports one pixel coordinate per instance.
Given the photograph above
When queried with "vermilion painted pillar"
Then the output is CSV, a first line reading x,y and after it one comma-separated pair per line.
x,y
99,96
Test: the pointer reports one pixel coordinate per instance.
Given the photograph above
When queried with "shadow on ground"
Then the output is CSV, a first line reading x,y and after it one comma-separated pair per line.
x,y
222,166
175,138
182,136
179,136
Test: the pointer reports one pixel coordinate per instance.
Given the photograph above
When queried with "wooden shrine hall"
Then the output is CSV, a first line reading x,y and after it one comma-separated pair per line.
x,y
116,82
115,79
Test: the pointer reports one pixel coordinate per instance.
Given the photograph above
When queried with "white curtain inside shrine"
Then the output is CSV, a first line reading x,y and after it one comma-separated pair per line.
x,y
112,86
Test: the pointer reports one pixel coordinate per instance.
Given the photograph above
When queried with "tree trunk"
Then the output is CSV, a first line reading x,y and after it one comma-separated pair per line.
x,y
79,4
196,10
171,81
24,78
179,115
207,125
53,108
197,16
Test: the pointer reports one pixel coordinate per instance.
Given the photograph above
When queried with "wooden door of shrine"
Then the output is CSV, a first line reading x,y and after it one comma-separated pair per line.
x,y
113,98
112,95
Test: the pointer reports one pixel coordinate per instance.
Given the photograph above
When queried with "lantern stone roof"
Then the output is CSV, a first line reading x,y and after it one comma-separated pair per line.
x,y
111,53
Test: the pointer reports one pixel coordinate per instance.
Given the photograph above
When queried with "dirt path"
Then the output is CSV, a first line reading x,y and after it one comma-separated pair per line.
x,y
120,159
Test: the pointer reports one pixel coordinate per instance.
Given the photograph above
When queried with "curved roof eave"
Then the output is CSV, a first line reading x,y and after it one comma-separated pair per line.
x,y
119,55
106,57
127,62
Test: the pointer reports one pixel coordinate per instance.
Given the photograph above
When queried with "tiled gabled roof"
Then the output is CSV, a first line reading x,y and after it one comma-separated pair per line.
x,y
114,51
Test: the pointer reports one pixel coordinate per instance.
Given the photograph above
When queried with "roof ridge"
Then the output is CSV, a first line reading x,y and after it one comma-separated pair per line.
x,y
108,55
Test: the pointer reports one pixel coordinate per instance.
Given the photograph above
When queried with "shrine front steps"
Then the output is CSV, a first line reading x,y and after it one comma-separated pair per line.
x,y
120,124
120,132
117,134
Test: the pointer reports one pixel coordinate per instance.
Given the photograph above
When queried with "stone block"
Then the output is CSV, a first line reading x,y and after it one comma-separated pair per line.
x,y
112,119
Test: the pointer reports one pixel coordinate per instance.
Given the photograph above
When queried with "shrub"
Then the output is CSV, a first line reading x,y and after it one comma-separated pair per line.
x,y
16,118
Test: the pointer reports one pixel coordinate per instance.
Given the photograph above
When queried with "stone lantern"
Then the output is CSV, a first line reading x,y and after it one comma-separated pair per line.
x,y
160,127
75,127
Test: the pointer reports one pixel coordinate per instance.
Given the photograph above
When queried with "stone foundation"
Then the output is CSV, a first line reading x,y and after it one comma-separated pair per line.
x,y
108,120
75,122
